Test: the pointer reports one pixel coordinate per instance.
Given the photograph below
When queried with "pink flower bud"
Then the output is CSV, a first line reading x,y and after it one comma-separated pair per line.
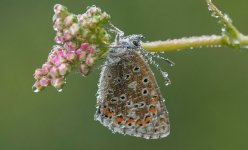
x,y
69,20
84,69
81,54
81,17
53,72
44,81
58,83
89,60
71,56
70,46
56,48
45,69
74,29
84,46
59,39
57,60
37,87
63,69
67,35
61,53
93,10
38,74
91,50
58,25
57,7
60,10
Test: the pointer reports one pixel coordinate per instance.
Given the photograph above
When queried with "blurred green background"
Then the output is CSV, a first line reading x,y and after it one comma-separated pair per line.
x,y
207,101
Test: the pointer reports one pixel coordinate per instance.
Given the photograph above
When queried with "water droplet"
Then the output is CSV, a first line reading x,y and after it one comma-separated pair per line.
x,y
167,83
35,89
236,41
244,46
60,90
223,29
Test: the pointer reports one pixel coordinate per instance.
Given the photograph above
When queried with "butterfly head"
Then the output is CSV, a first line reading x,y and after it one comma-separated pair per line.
x,y
129,42
123,43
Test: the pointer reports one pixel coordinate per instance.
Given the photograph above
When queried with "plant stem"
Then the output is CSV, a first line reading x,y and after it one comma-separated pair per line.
x,y
192,42
230,37
183,43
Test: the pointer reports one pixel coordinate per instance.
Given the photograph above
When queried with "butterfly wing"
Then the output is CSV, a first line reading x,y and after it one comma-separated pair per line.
x,y
129,99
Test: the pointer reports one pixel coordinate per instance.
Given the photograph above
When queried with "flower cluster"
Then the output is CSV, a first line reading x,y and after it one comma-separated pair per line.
x,y
83,39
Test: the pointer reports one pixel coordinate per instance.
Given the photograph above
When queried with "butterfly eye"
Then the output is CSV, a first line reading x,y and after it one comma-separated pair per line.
x,y
136,43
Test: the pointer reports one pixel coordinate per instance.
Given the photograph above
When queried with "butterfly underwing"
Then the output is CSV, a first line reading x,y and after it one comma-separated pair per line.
x,y
128,99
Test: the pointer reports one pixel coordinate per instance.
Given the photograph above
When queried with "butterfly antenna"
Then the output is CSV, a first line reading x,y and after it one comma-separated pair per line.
x,y
115,30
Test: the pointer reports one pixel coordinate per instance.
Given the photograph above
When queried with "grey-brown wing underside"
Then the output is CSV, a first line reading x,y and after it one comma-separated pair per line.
x,y
129,99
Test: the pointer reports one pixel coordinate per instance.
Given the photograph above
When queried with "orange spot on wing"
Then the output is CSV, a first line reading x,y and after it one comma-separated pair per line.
x,y
119,119
154,99
147,119
139,122
152,110
107,113
130,121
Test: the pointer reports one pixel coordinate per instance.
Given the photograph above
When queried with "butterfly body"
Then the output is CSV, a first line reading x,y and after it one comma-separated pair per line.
x,y
129,100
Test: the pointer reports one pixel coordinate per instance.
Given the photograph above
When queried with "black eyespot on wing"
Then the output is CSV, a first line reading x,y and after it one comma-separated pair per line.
x,y
127,76
145,80
136,69
123,97
144,91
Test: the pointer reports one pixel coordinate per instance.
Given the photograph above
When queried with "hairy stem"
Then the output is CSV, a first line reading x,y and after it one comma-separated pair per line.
x,y
183,43
193,42
230,37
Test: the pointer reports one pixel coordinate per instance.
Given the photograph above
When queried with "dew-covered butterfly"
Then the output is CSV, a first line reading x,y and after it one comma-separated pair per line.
x,y
129,100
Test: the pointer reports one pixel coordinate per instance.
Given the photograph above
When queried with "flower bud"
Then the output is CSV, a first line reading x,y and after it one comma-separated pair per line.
x,y
53,72
84,69
60,10
71,56
81,55
37,87
45,69
67,35
70,46
44,81
64,68
58,25
84,46
74,29
70,19
58,83
89,60
38,74
91,50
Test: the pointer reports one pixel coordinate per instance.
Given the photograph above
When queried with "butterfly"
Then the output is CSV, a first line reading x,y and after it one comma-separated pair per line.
x,y
128,99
